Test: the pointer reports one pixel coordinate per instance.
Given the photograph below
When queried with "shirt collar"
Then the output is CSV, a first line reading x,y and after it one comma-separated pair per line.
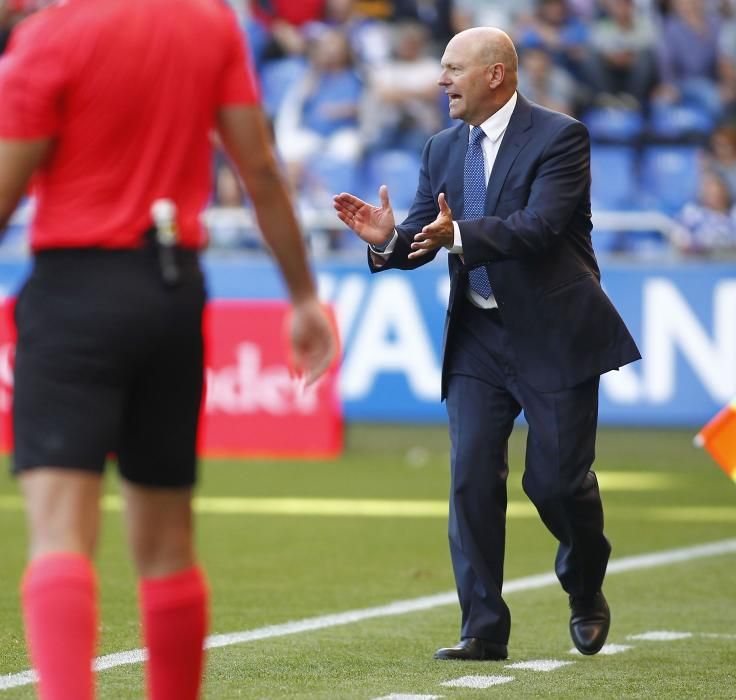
x,y
495,126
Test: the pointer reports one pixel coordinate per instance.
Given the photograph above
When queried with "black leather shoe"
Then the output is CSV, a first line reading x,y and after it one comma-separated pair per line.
x,y
590,619
474,649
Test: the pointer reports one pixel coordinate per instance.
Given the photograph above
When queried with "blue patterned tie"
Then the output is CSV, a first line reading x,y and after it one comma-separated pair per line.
x,y
474,194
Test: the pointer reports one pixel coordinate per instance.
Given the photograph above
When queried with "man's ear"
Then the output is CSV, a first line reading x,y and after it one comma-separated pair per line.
x,y
496,75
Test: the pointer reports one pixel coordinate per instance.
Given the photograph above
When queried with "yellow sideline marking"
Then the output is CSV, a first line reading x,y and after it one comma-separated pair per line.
x,y
398,509
634,481
305,506
381,508
609,481
323,506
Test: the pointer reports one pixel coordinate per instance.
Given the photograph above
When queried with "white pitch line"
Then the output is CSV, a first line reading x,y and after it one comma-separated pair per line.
x,y
671,556
400,607
668,636
660,636
408,696
478,682
14,680
607,649
540,665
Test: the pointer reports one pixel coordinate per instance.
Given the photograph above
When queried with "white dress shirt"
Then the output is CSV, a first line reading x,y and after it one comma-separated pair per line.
x,y
494,127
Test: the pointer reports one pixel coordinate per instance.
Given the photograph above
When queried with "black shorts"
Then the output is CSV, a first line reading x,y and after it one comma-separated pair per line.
x,y
109,360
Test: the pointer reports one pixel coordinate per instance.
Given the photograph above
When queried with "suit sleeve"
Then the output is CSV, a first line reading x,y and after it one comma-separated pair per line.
x,y
561,180
423,211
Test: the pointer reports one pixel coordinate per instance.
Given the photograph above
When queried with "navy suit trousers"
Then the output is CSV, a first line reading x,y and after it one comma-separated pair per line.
x,y
485,395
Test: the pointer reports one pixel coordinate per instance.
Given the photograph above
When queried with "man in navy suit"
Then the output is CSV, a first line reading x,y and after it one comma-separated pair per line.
x,y
529,328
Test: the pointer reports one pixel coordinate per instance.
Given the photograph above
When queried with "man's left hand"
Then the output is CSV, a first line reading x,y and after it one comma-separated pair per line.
x,y
435,235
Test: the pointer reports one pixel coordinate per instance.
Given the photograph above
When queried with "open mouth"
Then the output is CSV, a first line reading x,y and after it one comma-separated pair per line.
x,y
454,97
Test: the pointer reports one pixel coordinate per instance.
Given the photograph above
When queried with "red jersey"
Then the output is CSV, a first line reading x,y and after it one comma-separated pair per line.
x,y
129,91
296,13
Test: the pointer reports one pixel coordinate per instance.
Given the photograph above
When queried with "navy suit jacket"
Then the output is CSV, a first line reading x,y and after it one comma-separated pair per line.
x,y
535,242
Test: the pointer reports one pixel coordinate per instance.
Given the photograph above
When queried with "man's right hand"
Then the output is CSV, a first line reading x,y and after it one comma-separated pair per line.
x,y
375,225
312,339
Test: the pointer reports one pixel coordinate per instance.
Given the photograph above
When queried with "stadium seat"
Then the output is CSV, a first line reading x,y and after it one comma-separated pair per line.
x,y
679,121
606,241
670,176
613,177
399,170
648,245
325,176
277,78
613,124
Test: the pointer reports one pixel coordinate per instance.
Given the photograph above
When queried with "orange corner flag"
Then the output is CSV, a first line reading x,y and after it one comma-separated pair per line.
x,y
718,436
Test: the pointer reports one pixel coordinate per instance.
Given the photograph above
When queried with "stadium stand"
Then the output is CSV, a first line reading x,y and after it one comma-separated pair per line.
x,y
660,117
612,124
613,171
398,169
670,176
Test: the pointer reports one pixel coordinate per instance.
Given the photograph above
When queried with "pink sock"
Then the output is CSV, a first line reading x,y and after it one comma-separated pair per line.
x,y
59,594
174,610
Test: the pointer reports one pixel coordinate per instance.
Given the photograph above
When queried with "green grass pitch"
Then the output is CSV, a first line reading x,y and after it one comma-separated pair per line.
x,y
286,541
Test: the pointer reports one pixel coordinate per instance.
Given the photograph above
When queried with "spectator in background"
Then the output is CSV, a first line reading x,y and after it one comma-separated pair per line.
x,y
586,10
437,15
369,38
227,224
382,10
721,156
622,60
226,231
12,12
688,57
403,100
558,30
283,22
320,114
501,13
708,225
545,83
727,57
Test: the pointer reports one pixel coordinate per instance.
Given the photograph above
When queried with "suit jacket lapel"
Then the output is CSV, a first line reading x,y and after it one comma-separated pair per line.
x,y
455,166
517,134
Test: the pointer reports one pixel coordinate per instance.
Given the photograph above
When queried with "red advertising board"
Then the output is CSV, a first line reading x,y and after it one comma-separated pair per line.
x,y
253,405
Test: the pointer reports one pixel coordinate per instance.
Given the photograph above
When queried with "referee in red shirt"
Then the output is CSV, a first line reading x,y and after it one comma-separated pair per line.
x,y
110,106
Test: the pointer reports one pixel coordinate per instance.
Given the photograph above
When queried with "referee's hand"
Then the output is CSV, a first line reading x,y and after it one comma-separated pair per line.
x,y
313,339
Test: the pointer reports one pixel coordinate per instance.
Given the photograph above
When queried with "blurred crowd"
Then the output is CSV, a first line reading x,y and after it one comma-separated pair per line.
x,y
351,89
12,12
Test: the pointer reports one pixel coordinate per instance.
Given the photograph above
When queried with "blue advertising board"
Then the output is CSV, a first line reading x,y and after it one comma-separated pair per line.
x,y
683,317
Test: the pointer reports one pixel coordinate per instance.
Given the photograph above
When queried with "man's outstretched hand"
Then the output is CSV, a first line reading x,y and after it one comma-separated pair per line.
x,y
375,225
435,235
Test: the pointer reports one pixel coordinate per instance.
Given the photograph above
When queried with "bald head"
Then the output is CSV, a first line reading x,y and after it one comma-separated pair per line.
x,y
488,45
479,73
